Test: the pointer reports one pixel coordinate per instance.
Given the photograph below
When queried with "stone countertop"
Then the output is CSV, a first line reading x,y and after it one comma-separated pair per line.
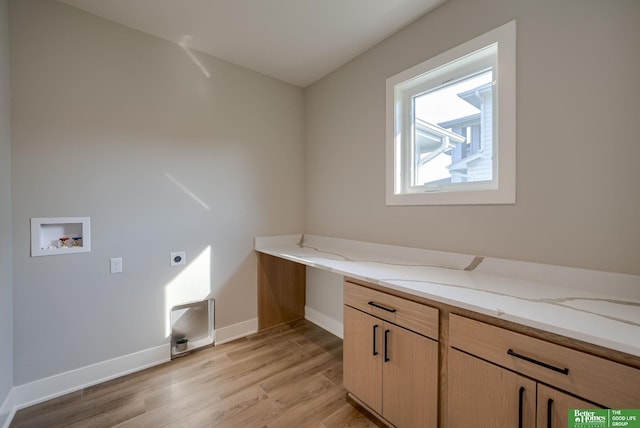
x,y
571,302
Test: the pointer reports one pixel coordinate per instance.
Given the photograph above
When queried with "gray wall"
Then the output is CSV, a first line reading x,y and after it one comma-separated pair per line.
x,y
578,98
127,129
6,295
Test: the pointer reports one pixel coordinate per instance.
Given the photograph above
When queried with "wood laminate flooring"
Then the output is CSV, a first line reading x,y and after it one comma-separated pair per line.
x,y
288,376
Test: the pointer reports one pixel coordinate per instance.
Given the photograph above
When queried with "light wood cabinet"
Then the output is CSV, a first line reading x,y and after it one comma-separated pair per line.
x,y
389,368
592,378
554,405
410,376
483,395
487,364
362,359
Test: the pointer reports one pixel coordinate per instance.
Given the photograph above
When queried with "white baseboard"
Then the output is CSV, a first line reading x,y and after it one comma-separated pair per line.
x,y
54,386
7,410
321,320
236,331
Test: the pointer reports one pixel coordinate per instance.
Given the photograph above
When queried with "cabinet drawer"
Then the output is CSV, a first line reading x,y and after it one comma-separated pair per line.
x,y
593,378
405,313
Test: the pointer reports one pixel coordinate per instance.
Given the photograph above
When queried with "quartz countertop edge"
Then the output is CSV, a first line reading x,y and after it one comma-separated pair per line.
x,y
609,319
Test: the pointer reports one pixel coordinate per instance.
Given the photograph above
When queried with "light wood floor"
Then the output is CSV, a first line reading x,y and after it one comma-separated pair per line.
x,y
289,376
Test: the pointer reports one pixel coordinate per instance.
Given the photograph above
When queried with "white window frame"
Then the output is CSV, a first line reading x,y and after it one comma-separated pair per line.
x,y
500,190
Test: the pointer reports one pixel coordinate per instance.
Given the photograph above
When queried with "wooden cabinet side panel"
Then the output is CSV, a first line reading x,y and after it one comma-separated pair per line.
x,y
362,371
281,291
410,379
482,395
557,414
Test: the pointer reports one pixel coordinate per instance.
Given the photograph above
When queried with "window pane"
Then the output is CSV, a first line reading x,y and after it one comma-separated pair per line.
x,y
450,125
452,132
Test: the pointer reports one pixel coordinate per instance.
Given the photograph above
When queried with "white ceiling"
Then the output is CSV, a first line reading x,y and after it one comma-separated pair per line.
x,y
298,41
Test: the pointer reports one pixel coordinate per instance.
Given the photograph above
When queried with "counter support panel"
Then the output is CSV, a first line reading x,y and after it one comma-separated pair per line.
x,y
281,291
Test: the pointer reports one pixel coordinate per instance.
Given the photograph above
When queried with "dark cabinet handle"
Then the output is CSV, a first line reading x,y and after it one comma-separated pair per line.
x,y
549,409
564,371
520,405
384,308
386,345
375,352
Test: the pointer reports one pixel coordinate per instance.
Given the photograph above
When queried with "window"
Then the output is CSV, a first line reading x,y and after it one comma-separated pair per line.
x,y
451,126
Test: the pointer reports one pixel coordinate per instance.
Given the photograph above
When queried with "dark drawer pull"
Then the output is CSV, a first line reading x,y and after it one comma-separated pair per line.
x,y
386,346
520,405
384,308
375,351
564,371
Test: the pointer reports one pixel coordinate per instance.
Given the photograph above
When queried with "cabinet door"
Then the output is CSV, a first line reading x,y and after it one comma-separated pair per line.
x,y
554,405
410,378
362,357
482,395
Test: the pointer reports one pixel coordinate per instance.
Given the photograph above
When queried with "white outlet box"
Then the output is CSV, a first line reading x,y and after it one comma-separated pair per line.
x,y
178,258
116,264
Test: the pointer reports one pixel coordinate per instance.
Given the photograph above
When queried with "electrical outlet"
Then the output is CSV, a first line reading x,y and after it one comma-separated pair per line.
x,y
178,258
116,264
